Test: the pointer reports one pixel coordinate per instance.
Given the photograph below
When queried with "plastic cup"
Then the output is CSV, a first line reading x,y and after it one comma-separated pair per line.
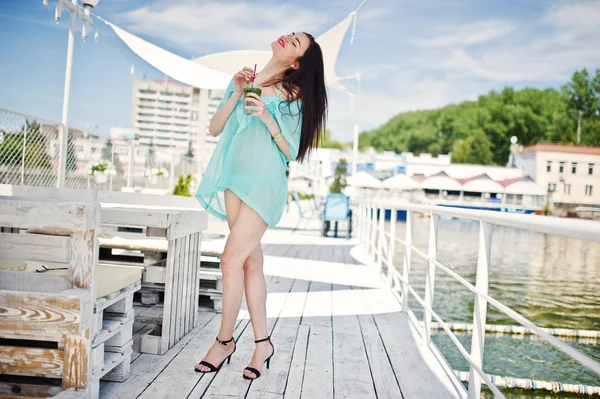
x,y
258,92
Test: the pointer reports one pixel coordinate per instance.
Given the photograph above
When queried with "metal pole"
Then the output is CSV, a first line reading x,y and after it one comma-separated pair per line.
x,y
381,237
130,166
407,260
372,247
24,153
430,278
359,226
355,151
89,159
392,247
64,133
480,307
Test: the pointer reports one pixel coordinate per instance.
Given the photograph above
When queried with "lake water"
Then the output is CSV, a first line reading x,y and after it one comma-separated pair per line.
x,y
553,281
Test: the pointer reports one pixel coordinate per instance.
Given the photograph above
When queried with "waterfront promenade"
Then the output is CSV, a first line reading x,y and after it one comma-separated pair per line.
x,y
337,329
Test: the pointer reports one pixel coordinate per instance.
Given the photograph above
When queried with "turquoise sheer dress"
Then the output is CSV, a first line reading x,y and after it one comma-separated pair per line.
x,y
248,162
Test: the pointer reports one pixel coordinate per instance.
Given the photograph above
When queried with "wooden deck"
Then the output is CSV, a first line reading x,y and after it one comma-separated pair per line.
x,y
338,333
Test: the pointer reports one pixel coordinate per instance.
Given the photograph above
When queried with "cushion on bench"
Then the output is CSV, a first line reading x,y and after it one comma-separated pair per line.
x,y
111,278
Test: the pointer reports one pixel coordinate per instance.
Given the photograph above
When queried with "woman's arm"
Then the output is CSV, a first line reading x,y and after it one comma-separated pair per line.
x,y
220,118
225,109
287,126
274,129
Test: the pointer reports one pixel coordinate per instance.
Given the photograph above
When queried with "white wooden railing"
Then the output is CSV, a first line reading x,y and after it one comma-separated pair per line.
x,y
380,246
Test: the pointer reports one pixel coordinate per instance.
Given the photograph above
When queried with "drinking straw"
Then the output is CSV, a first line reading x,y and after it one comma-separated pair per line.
x,y
253,75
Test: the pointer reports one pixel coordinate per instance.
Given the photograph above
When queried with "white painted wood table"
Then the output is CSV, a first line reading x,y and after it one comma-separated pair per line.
x,y
174,236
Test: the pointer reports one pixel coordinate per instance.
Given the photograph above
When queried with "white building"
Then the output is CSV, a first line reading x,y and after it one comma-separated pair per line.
x,y
571,173
464,171
171,115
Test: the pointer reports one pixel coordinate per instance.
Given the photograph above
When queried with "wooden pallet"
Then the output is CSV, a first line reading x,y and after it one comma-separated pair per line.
x,y
169,252
211,301
46,319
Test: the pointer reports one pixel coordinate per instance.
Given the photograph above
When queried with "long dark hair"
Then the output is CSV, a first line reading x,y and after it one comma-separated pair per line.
x,y
307,85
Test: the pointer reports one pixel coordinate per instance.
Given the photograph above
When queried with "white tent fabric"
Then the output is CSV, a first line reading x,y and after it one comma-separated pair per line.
x,y
483,184
215,70
525,186
401,182
365,180
441,181
175,66
331,41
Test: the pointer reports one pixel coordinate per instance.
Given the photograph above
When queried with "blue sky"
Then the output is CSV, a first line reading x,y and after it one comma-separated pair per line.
x,y
412,54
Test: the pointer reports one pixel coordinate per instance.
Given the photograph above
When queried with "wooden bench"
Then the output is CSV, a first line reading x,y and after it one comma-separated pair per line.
x,y
167,246
53,322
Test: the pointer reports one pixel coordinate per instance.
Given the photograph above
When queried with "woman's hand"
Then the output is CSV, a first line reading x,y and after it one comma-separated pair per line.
x,y
240,79
258,109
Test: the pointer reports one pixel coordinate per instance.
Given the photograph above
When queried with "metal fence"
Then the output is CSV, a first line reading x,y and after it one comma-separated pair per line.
x,y
380,246
29,155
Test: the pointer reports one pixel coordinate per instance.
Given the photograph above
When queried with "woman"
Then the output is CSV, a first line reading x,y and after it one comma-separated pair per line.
x,y
285,123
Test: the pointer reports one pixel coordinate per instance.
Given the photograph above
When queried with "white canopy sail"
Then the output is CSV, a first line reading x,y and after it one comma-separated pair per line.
x,y
215,70
173,65
230,62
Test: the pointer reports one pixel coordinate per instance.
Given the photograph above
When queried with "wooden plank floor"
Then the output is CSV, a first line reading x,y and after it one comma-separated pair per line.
x,y
337,331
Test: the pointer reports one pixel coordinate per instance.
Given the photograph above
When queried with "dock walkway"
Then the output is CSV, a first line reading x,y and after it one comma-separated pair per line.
x,y
337,330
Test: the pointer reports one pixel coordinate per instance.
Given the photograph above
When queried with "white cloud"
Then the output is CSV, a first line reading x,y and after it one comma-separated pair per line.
x,y
236,25
411,90
578,18
468,34
548,49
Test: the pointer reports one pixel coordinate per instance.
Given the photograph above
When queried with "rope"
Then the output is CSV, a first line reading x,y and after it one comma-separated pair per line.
x,y
520,330
353,27
534,385
354,13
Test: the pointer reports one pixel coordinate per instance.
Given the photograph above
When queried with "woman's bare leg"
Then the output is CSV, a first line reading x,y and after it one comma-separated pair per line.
x,y
246,232
256,297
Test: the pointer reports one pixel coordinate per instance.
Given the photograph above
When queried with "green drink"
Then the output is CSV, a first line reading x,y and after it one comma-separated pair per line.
x,y
258,92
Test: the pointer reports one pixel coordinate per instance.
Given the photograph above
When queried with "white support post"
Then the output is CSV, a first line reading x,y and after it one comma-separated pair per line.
x,y
131,165
64,130
392,247
380,238
360,223
367,228
480,308
372,246
407,260
430,278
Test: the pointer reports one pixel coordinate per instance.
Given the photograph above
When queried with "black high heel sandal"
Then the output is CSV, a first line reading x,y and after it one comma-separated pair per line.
x,y
211,367
268,360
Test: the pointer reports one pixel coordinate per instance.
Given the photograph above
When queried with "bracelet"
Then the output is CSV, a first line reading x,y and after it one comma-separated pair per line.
x,y
278,137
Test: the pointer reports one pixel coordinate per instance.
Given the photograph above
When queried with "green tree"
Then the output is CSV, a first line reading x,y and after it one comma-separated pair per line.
x,y
581,98
27,146
339,177
328,142
532,115
473,150
183,186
